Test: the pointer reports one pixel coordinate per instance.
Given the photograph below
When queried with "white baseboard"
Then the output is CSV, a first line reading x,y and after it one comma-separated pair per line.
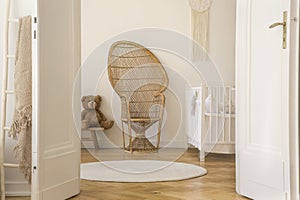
x,y
224,148
104,143
17,188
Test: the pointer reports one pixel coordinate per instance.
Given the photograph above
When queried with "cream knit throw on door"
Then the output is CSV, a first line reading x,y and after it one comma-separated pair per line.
x,y
21,126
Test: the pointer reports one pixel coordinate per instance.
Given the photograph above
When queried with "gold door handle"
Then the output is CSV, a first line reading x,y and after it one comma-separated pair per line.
x,y
277,24
284,29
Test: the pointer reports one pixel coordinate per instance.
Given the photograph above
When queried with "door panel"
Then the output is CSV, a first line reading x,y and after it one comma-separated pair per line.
x,y
56,151
265,75
262,75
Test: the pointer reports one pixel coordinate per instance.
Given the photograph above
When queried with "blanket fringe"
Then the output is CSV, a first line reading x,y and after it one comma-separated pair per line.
x,y
24,167
22,121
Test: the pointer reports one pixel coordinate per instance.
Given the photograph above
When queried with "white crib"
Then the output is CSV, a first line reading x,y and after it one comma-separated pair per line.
x,y
212,128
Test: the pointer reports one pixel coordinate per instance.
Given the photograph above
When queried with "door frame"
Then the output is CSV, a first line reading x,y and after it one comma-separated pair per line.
x,y
294,100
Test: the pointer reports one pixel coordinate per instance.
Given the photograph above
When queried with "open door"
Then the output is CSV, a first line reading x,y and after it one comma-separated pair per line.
x,y
56,145
262,75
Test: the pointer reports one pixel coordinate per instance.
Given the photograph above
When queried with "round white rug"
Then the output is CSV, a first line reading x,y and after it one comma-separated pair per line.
x,y
139,171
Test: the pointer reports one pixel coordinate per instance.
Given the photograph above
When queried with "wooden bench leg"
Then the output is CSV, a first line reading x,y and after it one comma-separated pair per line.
x,y
95,140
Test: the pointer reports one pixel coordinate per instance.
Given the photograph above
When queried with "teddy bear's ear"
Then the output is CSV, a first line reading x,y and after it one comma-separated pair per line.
x,y
98,97
83,98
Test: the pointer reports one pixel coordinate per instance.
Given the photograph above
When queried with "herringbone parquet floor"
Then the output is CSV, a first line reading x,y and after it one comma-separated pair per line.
x,y
218,184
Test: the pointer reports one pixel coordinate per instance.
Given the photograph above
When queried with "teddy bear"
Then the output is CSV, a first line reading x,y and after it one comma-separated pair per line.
x,y
91,116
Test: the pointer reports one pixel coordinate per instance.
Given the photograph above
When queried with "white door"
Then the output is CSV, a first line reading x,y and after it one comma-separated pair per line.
x,y
262,80
56,146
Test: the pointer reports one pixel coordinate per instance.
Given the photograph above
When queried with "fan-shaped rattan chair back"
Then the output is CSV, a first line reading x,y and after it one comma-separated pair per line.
x,y
139,78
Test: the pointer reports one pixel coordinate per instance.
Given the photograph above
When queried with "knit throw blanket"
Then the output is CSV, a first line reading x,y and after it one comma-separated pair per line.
x,y
21,126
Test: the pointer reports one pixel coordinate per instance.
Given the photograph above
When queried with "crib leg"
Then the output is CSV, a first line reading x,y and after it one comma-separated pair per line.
x,y
202,156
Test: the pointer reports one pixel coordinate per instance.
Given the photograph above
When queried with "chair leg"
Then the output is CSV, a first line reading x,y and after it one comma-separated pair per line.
x,y
158,139
158,134
130,143
124,145
130,136
161,115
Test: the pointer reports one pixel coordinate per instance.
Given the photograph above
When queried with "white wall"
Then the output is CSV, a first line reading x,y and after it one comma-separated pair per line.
x,y
15,183
102,19
222,38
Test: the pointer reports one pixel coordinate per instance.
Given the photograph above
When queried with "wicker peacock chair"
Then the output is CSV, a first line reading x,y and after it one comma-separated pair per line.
x,y
139,79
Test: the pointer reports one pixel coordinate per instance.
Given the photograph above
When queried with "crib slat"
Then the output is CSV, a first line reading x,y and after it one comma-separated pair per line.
x,y
219,116
230,112
210,119
223,121
217,111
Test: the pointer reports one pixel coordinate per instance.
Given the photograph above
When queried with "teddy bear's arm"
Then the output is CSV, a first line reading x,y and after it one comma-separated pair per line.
x,y
102,115
83,113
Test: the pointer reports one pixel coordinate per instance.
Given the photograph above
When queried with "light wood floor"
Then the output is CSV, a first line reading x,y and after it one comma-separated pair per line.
x,y
218,184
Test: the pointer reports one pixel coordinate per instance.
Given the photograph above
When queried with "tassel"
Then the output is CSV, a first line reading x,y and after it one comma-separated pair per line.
x,y
200,34
200,20
22,121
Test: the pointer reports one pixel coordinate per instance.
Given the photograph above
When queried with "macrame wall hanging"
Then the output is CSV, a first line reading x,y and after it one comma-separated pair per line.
x,y
200,22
